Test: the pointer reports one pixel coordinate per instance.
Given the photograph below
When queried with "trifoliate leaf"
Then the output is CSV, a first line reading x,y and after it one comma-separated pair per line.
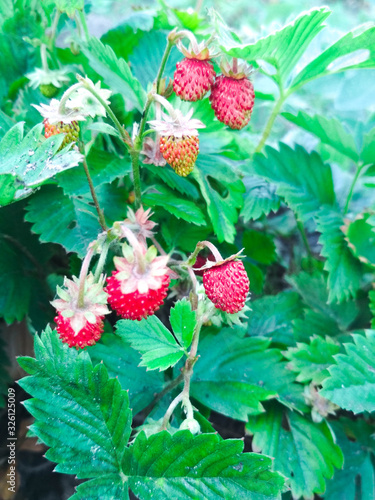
x,y
329,130
235,374
304,451
302,179
272,317
344,270
351,384
183,321
122,361
311,361
153,340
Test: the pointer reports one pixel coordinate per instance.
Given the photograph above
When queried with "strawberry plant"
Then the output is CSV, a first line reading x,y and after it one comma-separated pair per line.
x,y
187,235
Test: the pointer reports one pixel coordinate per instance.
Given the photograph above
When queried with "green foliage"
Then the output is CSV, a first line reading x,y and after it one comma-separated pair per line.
x,y
183,322
27,166
302,179
361,236
79,404
69,6
259,246
153,340
311,361
344,270
351,384
235,374
261,199
304,452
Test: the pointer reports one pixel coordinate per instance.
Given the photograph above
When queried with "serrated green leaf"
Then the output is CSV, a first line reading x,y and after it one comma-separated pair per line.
x,y
115,71
176,182
103,167
122,361
311,361
235,374
183,321
155,342
329,130
351,384
283,48
344,270
221,207
259,246
361,236
272,317
302,179
304,451
179,207
355,50
30,162
260,199
70,221
80,413
186,467
356,480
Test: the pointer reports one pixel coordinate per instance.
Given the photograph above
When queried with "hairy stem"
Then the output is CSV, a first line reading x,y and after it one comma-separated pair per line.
x,y
102,259
267,129
83,275
94,197
352,186
82,20
164,60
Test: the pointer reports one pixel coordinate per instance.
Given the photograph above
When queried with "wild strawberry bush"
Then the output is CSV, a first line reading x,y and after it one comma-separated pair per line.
x,y
139,200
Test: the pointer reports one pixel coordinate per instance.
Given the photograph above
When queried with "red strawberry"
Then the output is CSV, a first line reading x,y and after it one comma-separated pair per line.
x,y
88,335
227,285
232,99
71,131
80,325
139,285
180,152
193,79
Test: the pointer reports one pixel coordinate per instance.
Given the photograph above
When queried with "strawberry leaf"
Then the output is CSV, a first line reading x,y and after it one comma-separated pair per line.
x,y
281,49
302,179
115,71
153,340
351,384
183,321
311,361
304,451
260,199
329,130
361,236
235,374
344,270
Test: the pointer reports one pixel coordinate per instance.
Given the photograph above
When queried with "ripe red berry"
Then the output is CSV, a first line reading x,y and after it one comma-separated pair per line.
x,y
71,131
87,336
135,306
227,285
232,100
193,78
180,152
